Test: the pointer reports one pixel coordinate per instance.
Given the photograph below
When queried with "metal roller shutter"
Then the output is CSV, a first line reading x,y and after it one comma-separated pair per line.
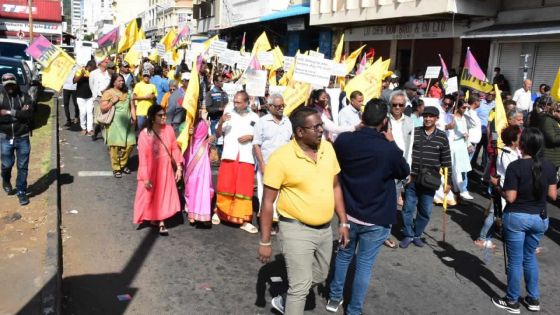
x,y
547,62
509,61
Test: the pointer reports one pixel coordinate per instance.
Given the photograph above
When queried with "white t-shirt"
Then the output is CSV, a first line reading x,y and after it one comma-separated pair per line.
x,y
473,126
523,99
98,81
234,128
397,131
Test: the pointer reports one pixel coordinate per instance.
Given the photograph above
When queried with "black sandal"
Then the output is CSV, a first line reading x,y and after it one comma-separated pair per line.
x,y
117,174
163,230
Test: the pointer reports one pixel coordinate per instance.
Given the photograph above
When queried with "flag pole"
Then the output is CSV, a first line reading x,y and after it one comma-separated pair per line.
x,y
445,176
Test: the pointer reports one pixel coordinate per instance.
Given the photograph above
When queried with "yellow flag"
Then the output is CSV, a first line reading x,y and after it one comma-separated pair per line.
x,y
58,70
338,51
208,42
272,78
153,55
369,81
500,120
287,77
142,35
555,91
278,58
130,36
133,57
294,96
261,44
168,39
351,60
190,104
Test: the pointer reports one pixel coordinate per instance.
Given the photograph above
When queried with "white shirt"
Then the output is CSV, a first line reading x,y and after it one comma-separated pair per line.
x,y
349,116
505,157
98,81
523,99
234,128
270,135
474,126
396,129
69,83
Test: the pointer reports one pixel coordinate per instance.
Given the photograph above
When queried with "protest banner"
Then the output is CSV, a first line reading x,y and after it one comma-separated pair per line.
x,y
231,89
288,62
256,82
217,47
228,57
266,58
313,70
42,50
160,49
432,72
295,96
83,54
451,85
470,81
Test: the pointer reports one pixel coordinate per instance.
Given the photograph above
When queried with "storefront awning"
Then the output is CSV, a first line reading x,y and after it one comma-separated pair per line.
x,y
515,30
291,11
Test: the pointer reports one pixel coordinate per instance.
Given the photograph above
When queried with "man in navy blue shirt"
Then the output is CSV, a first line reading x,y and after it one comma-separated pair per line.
x,y
370,162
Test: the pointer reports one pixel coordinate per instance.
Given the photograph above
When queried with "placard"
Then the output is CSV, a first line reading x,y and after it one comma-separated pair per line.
x,y
142,45
266,58
256,82
432,72
217,47
197,48
231,89
83,54
228,57
317,54
276,89
339,69
334,95
451,86
243,62
288,62
160,49
314,70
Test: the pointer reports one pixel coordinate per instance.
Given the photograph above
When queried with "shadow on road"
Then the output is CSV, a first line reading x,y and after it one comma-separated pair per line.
x,y
470,267
44,182
97,294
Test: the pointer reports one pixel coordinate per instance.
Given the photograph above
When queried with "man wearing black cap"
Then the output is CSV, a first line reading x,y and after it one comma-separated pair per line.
x,y
16,112
430,152
129,79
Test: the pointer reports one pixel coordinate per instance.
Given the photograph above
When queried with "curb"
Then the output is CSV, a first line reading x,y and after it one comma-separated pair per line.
x,y
52,269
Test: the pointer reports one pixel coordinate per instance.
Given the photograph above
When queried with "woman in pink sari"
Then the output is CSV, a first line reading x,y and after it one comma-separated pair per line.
x,y
156,194
198,174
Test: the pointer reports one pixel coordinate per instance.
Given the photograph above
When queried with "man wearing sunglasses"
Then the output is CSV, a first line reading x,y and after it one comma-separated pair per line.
x,y
271,132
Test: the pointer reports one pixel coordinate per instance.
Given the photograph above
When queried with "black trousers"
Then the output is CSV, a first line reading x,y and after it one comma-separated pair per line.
x,y
66,95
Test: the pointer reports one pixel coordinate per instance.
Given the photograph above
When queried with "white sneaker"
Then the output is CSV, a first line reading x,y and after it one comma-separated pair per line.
x,y
465,195
278,304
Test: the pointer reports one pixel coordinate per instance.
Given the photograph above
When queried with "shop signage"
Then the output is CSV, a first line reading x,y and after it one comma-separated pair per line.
x,y
295,25
417,30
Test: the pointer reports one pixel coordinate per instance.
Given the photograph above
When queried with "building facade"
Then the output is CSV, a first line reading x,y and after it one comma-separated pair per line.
x,y
76,22
47,19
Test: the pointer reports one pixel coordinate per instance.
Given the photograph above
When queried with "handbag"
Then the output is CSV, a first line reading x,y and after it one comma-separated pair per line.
x,y
425,178
101,117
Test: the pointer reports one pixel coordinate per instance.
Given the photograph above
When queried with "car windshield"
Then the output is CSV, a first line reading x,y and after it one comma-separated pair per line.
x,y
13,50
17,70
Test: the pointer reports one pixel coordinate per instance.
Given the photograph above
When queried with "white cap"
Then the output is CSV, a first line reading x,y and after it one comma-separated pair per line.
x,y
186,76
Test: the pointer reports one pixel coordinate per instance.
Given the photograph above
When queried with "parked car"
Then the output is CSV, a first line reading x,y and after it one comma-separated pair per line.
x,y
27,83
15,48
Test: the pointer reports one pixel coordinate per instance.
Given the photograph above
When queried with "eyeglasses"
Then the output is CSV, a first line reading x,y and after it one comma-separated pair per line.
x,y
281,106
398,104
316,128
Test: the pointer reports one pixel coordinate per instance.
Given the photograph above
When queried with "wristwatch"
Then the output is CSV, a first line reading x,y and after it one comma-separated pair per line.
x,y
345,225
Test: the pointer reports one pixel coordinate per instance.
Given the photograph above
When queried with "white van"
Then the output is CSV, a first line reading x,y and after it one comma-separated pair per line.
x,y
15,48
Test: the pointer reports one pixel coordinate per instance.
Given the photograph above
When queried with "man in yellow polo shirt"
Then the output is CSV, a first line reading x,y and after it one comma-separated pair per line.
x,y
144,96
303,174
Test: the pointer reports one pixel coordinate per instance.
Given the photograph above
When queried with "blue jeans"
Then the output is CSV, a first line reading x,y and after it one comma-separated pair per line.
x,y
213,124
20,149
368,240
486,231
522,232
140,121
413,195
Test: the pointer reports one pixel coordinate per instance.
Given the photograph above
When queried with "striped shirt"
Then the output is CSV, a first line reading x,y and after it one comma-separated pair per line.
x,y
431,151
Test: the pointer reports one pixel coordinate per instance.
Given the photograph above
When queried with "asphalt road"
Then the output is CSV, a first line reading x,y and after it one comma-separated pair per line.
x,y
215,271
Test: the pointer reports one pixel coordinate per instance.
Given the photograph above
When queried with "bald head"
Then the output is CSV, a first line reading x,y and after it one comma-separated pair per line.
x,y
527,85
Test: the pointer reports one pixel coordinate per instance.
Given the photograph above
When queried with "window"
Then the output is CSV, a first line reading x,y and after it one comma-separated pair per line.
x,y
13,50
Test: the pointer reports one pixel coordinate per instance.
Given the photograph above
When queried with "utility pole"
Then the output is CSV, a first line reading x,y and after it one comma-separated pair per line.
x,y
30,10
